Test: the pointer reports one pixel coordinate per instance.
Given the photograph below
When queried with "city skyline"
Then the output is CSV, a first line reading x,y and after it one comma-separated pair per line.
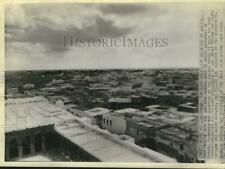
x,y
145,108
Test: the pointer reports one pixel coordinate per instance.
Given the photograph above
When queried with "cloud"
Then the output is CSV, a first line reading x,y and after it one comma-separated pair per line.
x,y
106,28
15,16
53,38
35,35
123,9
130,9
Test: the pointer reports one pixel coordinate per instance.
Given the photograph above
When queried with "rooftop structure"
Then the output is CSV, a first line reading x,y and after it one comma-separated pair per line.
x,y
127,110
131,112
152,106
96,111
119,100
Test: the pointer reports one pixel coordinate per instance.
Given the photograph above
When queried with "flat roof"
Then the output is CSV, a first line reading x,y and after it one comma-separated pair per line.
x,y
99,143
32,112
107,147
153,106
145,124
119,100
175,132
127,110
97,111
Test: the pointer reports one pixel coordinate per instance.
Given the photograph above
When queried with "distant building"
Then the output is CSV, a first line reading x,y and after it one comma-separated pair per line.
x,y
28,86
98,87
156,107
188,107
55,82
119,103
66,86
55,90
147,100
12,91
127,111
171,99
140,101
34,92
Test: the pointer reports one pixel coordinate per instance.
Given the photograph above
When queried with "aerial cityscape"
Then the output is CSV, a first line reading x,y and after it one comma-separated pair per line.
x,y
147,115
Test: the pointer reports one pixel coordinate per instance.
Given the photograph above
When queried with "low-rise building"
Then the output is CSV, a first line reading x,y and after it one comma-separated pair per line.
x,y
177,143
114,122
96,115
143,130
12,91
119,103
28,86
188,107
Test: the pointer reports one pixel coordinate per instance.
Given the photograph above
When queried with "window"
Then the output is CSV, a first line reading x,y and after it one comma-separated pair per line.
x,y
107,122
137,131
110,122
104,120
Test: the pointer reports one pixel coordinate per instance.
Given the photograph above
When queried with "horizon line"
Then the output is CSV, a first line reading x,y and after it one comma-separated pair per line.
x,y
165,68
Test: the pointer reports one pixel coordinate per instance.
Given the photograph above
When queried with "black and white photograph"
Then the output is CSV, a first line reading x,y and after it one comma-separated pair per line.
x,y
103,82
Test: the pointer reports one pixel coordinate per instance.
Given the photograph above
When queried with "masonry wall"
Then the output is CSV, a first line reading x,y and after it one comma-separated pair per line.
x,y
25,143
114,124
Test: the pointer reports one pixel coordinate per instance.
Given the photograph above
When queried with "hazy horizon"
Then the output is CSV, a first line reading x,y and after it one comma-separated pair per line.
x,y
109,69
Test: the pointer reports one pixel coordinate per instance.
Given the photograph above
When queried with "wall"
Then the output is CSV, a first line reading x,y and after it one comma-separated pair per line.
x,y
118,125
27,142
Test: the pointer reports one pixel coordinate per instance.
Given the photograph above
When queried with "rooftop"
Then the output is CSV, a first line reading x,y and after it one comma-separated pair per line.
x,y
120,100
147,122
175,132
189,105
97,111
127,110
100,143
22,114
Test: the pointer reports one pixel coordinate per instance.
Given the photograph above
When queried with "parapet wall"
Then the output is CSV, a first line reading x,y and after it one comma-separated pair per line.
x,y
148,153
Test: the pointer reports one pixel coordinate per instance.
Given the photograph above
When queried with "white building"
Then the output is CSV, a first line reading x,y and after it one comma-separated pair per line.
x,y
114,123
96,115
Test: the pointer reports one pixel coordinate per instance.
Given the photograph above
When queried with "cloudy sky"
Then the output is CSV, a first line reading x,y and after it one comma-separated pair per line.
x,y
34,35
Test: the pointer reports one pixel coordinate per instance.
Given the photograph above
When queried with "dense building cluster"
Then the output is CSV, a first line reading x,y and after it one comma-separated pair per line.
x,y
157,109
